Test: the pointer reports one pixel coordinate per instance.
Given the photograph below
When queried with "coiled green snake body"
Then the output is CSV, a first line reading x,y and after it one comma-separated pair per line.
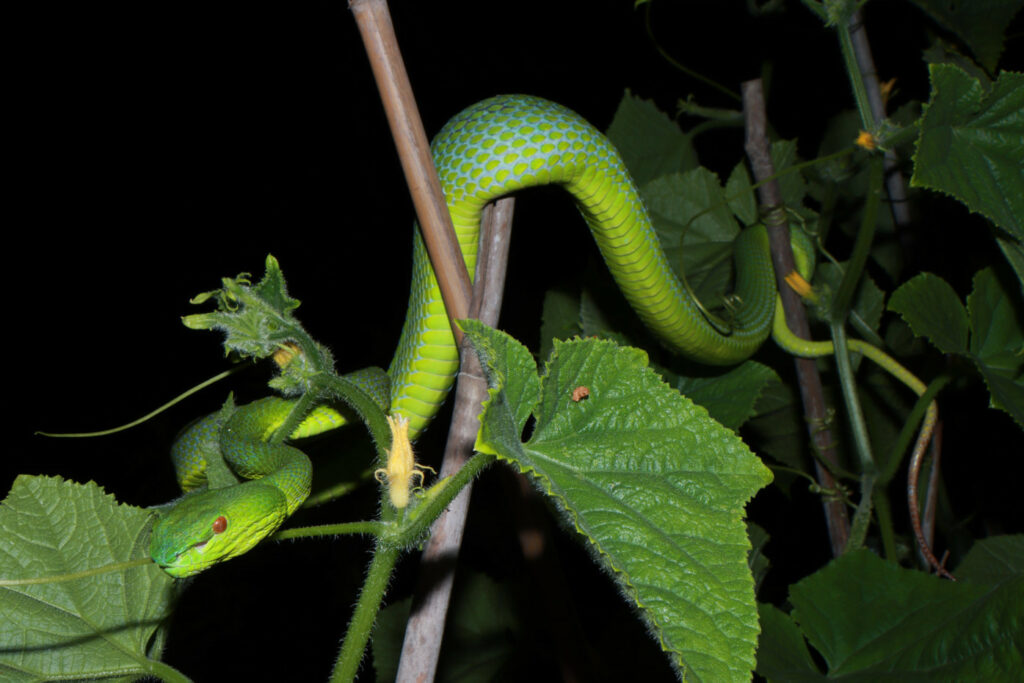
x,y
491,149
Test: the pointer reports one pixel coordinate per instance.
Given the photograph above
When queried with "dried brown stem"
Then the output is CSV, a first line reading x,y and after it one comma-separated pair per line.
x,y
430,605
378,36
815,411
894,184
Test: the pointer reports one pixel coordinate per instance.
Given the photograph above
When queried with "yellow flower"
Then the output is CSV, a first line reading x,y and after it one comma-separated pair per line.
x,y
866,140
401,468
800,285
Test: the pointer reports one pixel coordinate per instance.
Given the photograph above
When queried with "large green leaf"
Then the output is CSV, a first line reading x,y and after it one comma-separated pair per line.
x,y
873,620
979,23
94,627
972,143
655,486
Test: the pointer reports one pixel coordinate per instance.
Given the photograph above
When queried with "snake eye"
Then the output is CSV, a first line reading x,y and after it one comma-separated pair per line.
x,y
220,525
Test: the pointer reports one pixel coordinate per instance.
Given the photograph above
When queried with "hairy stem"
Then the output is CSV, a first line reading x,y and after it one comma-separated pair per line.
x,y
361,626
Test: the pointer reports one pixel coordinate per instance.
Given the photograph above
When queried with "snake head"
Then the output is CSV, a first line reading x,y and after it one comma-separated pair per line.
x,y
211,526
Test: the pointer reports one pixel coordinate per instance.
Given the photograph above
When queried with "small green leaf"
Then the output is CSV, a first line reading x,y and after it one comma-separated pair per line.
x,y
782,653
933,310
792,185
742,201
868,300
778,427
1013,250
512,378
997,341
730,397
650,142
256,320
648,478
100,626
972,143
757,561
870,618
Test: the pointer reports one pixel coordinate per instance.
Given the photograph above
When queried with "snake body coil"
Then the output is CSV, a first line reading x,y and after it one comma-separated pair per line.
x,y
491,149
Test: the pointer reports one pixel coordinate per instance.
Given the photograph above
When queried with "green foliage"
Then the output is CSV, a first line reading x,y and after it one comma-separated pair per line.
x,y
651,143
990,331
871,619
972,143
729,398
96,627
655,486
256,319
981,24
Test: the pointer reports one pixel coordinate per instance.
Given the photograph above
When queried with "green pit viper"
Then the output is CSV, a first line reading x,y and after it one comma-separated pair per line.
x,y
491,149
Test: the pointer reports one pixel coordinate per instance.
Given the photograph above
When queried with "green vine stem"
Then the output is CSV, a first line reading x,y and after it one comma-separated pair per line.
x,y
370,528
370,597
862,443
848,383
166,672
862,245
860,93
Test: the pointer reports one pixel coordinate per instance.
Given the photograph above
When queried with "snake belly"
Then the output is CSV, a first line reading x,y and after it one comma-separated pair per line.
x,y
493,148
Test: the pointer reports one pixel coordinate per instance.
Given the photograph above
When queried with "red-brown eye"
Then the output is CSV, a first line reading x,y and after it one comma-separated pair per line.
x,y
220,525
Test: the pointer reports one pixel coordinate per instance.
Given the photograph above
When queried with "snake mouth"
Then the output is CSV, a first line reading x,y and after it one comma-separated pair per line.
x,y
199,547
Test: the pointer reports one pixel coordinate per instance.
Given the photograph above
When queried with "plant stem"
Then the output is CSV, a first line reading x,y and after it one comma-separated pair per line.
x,y
369,528
811,392
166,672
862,245
840,309
910,427
862,517
422,645
378,34
860,93
359,629
460,300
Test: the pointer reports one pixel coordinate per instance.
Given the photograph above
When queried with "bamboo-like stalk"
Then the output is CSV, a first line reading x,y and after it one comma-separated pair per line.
x,y
815,412
430,604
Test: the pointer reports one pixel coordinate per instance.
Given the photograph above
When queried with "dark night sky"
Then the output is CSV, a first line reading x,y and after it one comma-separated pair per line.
x,y
165,147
